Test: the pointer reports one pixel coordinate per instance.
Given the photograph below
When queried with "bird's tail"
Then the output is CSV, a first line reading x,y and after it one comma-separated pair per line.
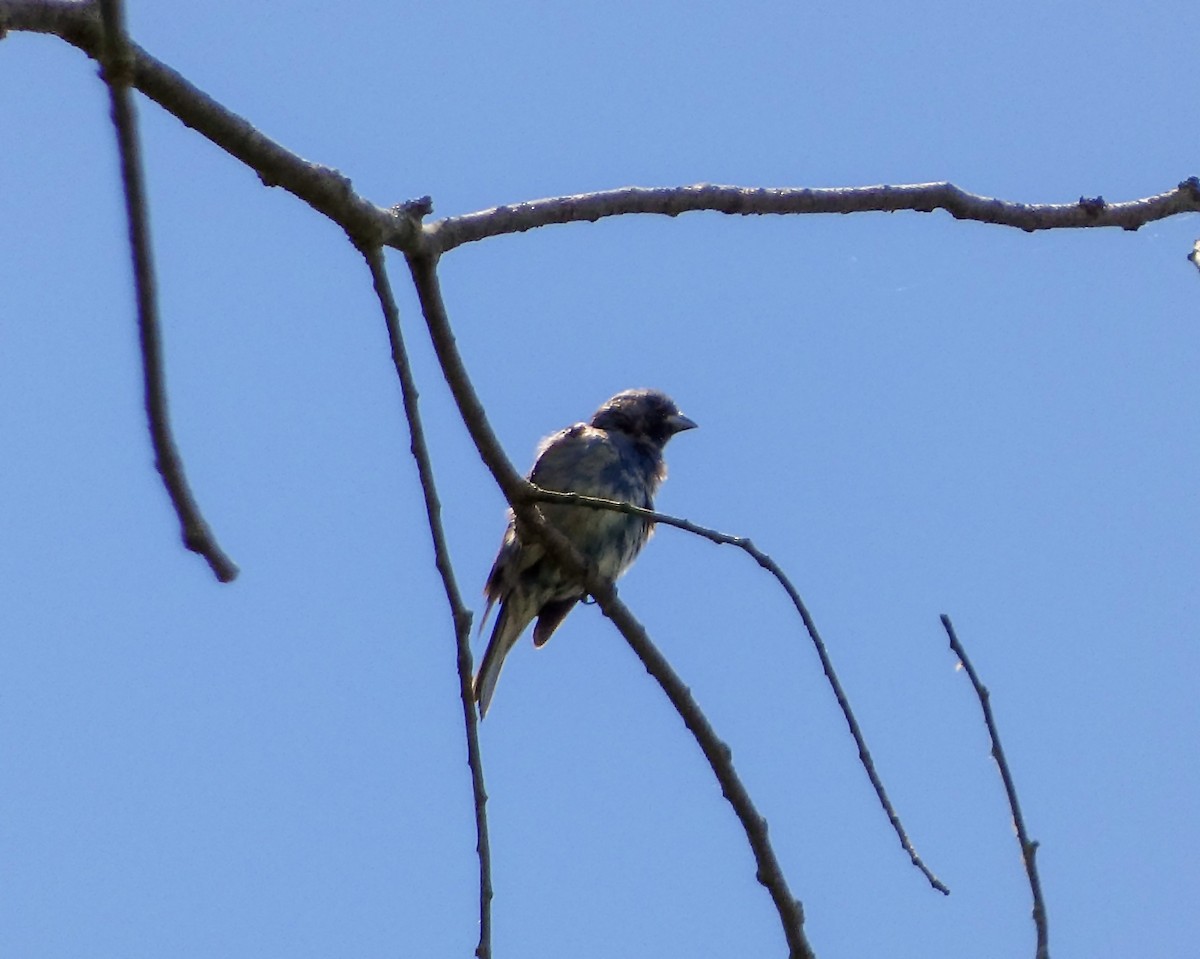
x,y
510,623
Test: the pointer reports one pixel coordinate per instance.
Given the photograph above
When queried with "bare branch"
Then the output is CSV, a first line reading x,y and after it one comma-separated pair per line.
x,y
444,235
331,193
1028,846
719,756
429,290
117,70
458,611
536,494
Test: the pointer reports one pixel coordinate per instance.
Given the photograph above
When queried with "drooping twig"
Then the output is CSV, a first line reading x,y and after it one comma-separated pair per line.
x,y
1028,846
118,66
458,611
769,873
767,563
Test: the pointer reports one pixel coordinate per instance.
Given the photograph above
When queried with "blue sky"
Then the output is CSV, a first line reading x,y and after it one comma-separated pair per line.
x,y
914,416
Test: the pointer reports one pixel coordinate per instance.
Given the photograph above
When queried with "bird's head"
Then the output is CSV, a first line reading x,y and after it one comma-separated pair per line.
x,y
643,415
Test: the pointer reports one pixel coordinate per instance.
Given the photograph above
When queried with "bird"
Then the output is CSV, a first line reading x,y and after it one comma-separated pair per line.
x,y
616,455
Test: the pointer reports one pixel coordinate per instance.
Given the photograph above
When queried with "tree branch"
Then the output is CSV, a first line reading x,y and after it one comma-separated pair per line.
x,y
1028,846
118,65
719,756
332,194
444,235
537,494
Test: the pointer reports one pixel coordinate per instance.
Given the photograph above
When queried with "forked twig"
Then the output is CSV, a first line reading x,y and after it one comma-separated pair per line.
x,y
1028,846
536,494
458,611
118,72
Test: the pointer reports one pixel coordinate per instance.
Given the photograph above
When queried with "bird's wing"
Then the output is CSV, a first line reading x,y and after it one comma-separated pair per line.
x,y
575,460
596,463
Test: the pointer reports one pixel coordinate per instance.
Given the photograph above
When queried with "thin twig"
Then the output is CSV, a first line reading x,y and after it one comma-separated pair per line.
x,y
536,494
719,757
458,611
118,66
1028,846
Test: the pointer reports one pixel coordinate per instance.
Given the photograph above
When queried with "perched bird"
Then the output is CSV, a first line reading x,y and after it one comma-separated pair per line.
x,y
617,455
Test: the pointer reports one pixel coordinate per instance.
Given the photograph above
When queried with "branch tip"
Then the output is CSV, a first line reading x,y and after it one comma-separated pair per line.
x,y
1027,846
116,59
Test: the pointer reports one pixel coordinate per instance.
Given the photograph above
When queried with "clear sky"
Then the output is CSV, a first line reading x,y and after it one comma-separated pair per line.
x,y
913,415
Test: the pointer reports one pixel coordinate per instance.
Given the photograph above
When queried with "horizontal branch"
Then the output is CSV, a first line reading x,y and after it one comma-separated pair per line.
x,y
331,193
446,234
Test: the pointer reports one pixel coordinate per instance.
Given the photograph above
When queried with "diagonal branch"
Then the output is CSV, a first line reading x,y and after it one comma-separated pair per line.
x,y
444,235
326,190
118,65
458,611
537,494
1028,846
719,756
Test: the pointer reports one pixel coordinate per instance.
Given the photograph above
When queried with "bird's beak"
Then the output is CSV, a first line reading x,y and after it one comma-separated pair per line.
x,y
678,423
